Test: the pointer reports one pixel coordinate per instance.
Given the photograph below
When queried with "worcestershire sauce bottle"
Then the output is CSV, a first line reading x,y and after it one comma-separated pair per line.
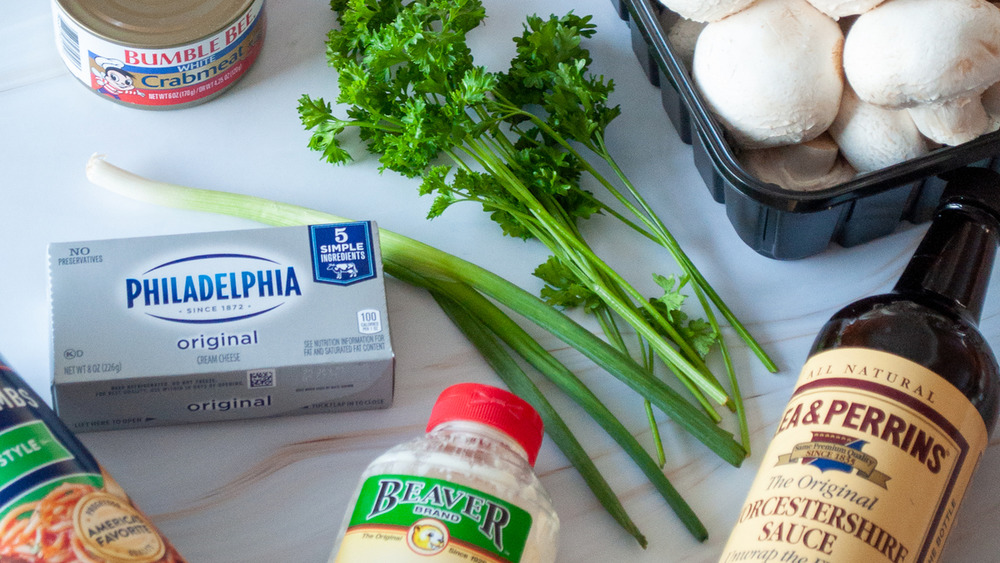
x,y
891,411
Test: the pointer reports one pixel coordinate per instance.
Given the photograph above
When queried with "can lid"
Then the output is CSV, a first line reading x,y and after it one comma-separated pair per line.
x,y
496,407
154,24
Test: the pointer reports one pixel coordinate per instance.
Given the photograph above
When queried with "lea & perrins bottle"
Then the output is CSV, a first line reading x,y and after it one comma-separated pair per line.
x,y
464,491
891,412
56,501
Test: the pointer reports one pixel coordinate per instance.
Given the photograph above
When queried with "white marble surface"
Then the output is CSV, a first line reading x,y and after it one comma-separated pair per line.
x,y
274,490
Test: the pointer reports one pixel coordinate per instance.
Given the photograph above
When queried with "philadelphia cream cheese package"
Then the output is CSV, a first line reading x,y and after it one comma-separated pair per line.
x,y
219,326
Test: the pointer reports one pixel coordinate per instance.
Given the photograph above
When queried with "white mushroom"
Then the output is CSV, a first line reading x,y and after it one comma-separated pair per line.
x,y
706,10
837,9
771,73
873,137
934,57
813,165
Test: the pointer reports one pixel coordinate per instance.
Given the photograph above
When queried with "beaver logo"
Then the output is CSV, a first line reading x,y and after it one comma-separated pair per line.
x,y
427,536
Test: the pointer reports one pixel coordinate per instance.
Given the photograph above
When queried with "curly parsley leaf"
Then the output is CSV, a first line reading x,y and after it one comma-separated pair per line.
x,y
700,334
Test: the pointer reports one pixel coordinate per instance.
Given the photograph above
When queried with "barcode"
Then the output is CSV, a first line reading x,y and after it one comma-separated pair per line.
x,y
260,378
70,44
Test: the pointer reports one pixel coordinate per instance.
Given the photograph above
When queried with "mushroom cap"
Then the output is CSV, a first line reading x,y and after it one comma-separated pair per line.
x,y
837,9
873,137
909,52
771,73
706,10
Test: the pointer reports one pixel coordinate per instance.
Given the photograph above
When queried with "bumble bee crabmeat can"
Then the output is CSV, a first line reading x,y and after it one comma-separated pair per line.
x,y
157,54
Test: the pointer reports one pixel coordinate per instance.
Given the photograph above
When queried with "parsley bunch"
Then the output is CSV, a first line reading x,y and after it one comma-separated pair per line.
x,y
515,143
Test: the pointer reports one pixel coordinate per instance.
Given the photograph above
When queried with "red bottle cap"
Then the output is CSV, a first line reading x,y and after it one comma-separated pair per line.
x,y
499,408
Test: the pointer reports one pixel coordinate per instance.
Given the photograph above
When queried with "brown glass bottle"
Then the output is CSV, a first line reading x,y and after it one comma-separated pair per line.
x,y
931,315
891,411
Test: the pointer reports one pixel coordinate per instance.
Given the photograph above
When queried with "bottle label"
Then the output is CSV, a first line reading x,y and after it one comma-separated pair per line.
x,y
404,518
869,463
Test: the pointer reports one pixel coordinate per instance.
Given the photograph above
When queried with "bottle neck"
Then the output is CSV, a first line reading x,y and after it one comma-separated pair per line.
x,y
953,262
482,432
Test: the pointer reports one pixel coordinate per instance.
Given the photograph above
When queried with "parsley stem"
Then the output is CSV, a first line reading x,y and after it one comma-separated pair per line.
x,y
652,221
590,268
682,258
655,431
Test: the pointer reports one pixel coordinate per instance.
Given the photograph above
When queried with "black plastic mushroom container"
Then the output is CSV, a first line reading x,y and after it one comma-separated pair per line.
x,y
778,223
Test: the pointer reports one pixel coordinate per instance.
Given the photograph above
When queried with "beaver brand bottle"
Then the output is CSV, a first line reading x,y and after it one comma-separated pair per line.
x,y
465,491
891,411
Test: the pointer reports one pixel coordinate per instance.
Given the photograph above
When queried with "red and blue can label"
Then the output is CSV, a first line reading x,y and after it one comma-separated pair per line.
x,y
161,78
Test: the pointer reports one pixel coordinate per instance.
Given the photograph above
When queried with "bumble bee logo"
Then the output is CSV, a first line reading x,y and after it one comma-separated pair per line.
x,y
427,537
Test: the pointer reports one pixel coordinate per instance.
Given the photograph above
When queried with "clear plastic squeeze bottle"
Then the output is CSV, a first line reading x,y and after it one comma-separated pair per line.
x,y
465,491
892,410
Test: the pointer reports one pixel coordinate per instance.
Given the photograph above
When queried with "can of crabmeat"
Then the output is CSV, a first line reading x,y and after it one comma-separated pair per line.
x,y
56,502
154,54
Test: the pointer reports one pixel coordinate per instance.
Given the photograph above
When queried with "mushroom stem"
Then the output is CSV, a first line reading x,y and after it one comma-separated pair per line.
x,y
954,121
837,9
808,166
991,101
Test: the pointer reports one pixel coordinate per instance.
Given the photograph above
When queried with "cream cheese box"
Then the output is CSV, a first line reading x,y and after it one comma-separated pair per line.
x,y
218,326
